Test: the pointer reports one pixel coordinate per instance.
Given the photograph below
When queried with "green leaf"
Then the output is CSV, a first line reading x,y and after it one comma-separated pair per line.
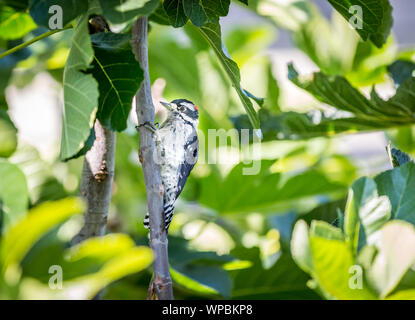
x,y
80,93
14,194
208,280
374,214
282,280
8,135
201,272
355,111
125,263
121,11
338,92
366,212
101,249
39,220
351,224
364,191
195,12
395,256
234,194
332,264
376,20
13,24
87,146
325,230
399,186
272,101
118,75
325,255
39,10
160,16
215,8
300,126
175,12
212,33
181,253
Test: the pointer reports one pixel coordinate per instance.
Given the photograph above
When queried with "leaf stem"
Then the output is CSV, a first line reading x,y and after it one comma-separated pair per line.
x,y
28,43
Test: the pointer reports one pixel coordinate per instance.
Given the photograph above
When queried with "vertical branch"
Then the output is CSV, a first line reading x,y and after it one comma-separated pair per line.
x,y
162,284
96,183
98,169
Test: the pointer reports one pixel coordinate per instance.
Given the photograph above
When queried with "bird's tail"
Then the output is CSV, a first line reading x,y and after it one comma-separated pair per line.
x,y
146,221
167,221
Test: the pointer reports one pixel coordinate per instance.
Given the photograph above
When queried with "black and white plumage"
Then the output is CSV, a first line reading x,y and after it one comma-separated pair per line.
x,y
178,150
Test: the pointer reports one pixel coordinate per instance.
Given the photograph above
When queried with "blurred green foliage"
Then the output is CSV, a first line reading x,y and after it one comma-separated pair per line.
x,y
233,235
370,256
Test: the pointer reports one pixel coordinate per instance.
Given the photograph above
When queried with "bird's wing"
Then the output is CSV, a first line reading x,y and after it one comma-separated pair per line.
x,y
191,156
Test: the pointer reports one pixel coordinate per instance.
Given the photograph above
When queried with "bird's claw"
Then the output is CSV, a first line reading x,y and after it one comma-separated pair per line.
x,y
149,126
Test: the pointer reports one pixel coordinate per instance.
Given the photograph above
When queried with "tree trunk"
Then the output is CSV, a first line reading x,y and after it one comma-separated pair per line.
x,y
96,183
161,286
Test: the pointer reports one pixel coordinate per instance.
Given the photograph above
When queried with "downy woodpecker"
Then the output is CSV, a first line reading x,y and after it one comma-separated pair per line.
x,y
177,151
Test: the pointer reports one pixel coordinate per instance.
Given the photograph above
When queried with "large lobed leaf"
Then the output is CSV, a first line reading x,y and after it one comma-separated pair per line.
x,y
118,75
376,20
339,93
198,11
353,111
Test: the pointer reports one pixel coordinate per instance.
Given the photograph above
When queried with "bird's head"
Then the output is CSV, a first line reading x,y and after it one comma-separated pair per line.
x,y
183,109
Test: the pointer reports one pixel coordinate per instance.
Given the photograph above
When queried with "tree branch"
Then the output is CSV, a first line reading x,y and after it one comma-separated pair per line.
x,y
161,285
96,183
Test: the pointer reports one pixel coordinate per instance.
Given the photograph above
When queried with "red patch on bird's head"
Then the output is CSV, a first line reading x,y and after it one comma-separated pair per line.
x,y
196,107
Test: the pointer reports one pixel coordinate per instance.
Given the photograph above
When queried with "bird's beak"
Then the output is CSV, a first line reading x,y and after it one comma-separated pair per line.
x,y
167,105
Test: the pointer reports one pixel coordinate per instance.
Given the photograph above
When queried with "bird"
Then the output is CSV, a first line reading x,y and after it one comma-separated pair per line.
x,y
177,146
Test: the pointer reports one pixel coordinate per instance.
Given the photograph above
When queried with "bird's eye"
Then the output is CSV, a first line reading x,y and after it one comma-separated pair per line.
x,y
180,108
